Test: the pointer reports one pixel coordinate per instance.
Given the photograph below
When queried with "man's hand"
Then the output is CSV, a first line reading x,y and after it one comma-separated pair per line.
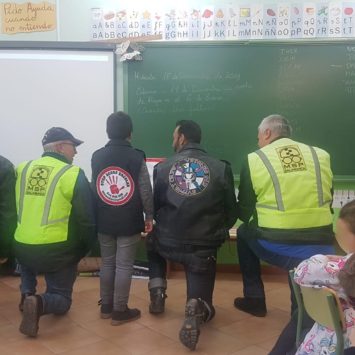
x,y
148,225
3,260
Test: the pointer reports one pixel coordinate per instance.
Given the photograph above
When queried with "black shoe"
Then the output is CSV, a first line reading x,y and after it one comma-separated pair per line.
x,y
157,300
253,306
106,311
190,330
32,310
23,296
125,316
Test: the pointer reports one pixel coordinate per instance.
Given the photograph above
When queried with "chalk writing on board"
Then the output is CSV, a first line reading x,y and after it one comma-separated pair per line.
x,y
187,92
289,79
349,74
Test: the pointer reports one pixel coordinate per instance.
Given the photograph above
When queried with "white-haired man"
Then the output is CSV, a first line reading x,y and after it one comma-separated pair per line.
x,y
284,200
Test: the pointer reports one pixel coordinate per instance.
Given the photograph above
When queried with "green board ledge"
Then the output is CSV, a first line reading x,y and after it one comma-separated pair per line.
x,y
347,179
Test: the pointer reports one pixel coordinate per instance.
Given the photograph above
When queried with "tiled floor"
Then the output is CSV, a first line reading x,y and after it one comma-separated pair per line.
x,y
81,331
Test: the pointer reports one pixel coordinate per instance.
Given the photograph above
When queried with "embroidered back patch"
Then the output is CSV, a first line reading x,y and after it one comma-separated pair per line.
x,y
189,176
115,186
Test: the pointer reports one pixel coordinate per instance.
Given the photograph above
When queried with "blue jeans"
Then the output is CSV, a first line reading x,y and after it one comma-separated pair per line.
x,y
117,258
58,296
250,251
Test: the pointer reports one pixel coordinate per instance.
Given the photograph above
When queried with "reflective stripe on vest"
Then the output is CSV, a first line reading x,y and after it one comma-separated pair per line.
x,y
49,197
22,190
275,181
318,177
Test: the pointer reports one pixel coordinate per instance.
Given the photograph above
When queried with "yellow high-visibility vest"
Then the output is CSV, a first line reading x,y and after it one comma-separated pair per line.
x,y
44,191
292,182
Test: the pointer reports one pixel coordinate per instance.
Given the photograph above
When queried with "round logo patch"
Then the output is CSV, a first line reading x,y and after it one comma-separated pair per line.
x,y
115,186
189,176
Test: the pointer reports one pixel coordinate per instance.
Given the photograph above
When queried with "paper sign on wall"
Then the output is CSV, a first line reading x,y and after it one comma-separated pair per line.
x,y
27,17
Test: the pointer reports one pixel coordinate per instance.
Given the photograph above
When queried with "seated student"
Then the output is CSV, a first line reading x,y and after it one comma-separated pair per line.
x,y
337,273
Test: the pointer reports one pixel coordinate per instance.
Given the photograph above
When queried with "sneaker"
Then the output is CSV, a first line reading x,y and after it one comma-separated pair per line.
x,y
253,306
106,311
190,330
23,296
120,317
32,310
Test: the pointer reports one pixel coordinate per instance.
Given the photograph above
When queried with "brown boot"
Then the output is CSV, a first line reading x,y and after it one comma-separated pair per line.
x,y
32,311
23,296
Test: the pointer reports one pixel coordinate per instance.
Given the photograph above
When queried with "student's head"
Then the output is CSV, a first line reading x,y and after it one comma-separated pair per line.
x,y
272,127
59,140
186,131
345,233
347,277
119,126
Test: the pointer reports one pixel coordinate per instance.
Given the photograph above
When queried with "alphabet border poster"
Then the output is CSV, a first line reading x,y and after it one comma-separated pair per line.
x,y
279,20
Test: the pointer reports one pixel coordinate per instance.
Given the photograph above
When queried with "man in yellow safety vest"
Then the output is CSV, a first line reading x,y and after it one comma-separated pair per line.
x,y
56,226
284,200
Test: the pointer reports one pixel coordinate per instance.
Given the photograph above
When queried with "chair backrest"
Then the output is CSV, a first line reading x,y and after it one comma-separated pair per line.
x,y
323,305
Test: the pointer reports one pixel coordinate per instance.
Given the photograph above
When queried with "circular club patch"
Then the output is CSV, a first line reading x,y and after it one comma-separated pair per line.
x,y
115,186
189,176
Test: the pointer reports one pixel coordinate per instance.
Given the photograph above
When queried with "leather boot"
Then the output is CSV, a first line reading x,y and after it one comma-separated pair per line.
x,y
23,296
32,311
197,312
157,300
253,306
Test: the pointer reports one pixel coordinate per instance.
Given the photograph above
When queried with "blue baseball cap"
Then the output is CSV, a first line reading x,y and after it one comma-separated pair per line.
x,y
56,134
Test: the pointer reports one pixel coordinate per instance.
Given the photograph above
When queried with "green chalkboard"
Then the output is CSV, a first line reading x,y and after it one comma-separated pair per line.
x,y
228,87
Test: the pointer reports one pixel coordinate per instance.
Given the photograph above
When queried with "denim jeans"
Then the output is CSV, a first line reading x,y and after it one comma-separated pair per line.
x,y
199,265
58,296
117,257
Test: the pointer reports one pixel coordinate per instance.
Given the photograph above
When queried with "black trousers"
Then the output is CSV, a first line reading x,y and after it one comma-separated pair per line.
x,y
199,264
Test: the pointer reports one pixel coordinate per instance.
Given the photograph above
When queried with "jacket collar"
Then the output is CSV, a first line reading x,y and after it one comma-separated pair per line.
x,y
56,156
118,142
194,146
279,137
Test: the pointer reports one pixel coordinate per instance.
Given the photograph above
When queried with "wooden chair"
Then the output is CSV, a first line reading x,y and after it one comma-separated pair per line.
x,y
323,305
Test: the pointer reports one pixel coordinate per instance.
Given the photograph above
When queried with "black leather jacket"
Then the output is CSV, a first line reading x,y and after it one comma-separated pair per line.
x,y
8,216
194,199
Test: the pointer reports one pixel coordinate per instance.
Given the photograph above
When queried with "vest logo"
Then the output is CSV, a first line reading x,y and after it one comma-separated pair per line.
x,y
291,158
115,186
37,181
189,176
